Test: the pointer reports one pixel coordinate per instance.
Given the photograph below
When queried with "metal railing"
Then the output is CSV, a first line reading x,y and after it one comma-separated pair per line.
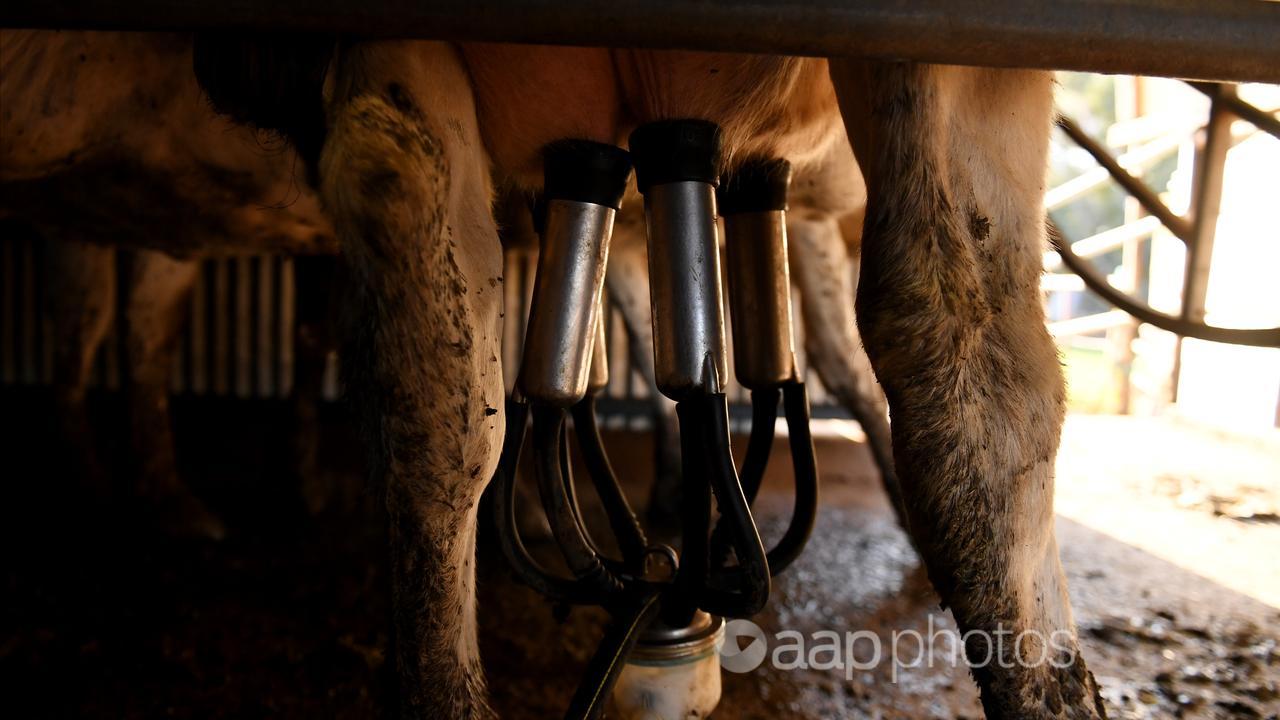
x,y
240,335
238,338
1195,229
1223,40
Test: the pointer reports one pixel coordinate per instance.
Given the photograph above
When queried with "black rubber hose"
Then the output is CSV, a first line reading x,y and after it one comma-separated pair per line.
x,y
682,599
764,415
601,673
805,467
525,567
741,591
571,492
585,564
622,520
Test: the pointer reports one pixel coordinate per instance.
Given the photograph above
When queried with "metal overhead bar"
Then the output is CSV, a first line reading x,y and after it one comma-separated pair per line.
x,y
1233,40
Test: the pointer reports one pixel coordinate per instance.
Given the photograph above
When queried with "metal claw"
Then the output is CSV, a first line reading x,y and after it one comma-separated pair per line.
x,y
676,169
562,372
563,367
611,654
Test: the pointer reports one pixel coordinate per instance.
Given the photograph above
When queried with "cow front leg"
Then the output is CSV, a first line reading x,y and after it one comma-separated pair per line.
x,y
950,314
404,175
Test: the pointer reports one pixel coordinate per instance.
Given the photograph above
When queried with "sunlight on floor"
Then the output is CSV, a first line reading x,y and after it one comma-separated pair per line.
x,y
1204,500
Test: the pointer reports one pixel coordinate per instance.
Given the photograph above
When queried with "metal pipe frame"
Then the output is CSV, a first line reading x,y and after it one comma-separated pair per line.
x,y
1206,192
1096,282
1225,40
1151,202
1196,230
1263,120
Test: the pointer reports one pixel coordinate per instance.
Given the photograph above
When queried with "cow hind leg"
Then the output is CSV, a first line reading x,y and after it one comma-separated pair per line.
x,y
405,178
158,291
826,278
80,297
949,309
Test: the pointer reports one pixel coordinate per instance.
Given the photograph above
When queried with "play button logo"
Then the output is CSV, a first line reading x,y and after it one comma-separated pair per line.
x,y
744,646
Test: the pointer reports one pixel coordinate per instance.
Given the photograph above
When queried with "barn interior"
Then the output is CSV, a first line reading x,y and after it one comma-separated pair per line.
x,y
1167,498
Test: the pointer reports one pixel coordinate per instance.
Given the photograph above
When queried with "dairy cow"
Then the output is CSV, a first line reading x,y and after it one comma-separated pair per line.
x,y
405,140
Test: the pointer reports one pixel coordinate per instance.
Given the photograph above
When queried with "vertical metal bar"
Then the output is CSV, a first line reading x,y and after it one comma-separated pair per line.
x,y
244,327
44,325
1130,104
266,315
46,349
1206,194
288,320
26,251
112,348
221,324
8,319
179,378
1124,335
197,330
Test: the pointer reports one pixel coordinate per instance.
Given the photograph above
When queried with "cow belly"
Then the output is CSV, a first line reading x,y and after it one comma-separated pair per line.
x,y
182,212
107,138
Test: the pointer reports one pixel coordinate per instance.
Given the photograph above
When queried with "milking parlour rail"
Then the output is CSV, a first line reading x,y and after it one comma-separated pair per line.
x,y
1228,40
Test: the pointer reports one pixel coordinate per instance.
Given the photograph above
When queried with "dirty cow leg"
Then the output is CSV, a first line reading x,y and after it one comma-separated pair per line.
x,y
159,288
406,180
950,313
80,294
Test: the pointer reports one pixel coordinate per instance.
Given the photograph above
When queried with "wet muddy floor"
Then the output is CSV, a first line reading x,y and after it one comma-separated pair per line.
x,y
1168,536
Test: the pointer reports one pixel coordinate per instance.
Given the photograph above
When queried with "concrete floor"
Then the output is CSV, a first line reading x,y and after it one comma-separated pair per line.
x,y
1167,533
1179,606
